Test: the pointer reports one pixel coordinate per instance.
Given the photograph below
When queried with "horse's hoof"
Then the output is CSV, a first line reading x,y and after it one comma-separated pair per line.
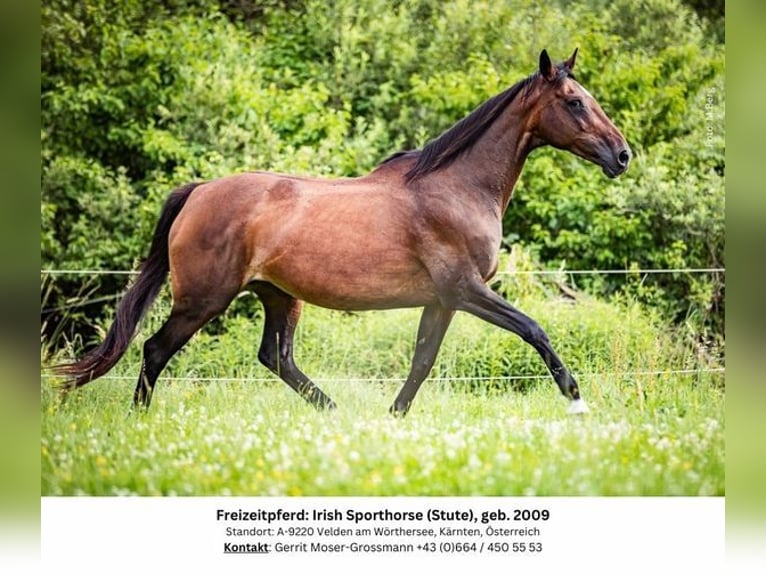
x,y
578,407
397,413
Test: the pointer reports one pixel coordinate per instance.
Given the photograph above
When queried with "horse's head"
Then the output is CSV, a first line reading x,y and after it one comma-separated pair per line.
x,y
567,117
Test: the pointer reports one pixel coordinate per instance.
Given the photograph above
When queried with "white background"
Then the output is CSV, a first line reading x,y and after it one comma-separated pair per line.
x,y
666,534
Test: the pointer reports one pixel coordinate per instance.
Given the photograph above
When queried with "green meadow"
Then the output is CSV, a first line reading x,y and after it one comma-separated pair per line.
x,y
489,421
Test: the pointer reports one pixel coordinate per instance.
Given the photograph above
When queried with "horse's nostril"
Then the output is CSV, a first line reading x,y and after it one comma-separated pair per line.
x,y
623,157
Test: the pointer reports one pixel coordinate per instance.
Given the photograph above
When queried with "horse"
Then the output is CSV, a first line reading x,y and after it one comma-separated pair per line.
x,y
422,229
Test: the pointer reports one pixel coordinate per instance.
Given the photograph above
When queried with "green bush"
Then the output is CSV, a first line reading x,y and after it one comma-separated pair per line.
x,y
138,97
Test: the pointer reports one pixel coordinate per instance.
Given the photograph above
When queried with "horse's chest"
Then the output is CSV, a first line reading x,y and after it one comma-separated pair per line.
x,y
483,239
484,253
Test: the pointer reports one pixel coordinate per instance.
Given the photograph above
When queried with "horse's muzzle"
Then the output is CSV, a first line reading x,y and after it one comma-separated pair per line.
x,y
616,162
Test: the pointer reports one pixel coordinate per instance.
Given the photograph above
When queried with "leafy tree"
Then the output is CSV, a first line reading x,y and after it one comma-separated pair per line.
x,y
138,97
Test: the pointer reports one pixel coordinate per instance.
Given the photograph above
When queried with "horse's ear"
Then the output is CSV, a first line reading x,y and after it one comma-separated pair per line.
x,y
546,66
569,64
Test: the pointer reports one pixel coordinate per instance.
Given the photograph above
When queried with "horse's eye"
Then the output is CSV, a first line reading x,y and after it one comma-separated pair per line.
x,y
575,104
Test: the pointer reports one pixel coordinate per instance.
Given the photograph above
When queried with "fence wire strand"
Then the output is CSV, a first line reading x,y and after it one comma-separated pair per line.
x,y
170,378
695,270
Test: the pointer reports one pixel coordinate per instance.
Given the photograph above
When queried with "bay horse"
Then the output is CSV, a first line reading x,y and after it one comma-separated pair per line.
x,y
423,229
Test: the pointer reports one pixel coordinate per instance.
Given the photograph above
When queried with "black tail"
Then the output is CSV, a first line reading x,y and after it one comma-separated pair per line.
x,y
134,304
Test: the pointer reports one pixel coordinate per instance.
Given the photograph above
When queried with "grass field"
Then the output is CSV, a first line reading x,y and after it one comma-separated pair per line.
x,y
484,434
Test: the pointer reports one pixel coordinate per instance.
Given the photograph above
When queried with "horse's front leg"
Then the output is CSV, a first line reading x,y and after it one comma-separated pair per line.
x,y
433,325
479,300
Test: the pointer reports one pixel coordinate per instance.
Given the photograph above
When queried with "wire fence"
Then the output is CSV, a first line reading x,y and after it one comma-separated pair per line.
x,y
693,270
538,272
613,374
621,374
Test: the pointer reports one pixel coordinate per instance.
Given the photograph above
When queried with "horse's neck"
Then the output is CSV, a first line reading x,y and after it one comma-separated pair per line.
x,y
495,161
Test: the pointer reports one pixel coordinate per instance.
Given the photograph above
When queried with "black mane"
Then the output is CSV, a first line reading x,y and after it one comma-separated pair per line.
x,y
443,150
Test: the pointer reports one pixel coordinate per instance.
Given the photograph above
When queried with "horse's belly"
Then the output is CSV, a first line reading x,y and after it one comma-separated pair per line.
x,y
374,281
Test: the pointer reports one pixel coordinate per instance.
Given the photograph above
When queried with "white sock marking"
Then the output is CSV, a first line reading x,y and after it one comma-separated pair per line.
x,y
578,407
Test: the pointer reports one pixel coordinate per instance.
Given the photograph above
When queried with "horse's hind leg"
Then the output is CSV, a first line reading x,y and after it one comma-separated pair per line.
x,y
276,352
186,318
